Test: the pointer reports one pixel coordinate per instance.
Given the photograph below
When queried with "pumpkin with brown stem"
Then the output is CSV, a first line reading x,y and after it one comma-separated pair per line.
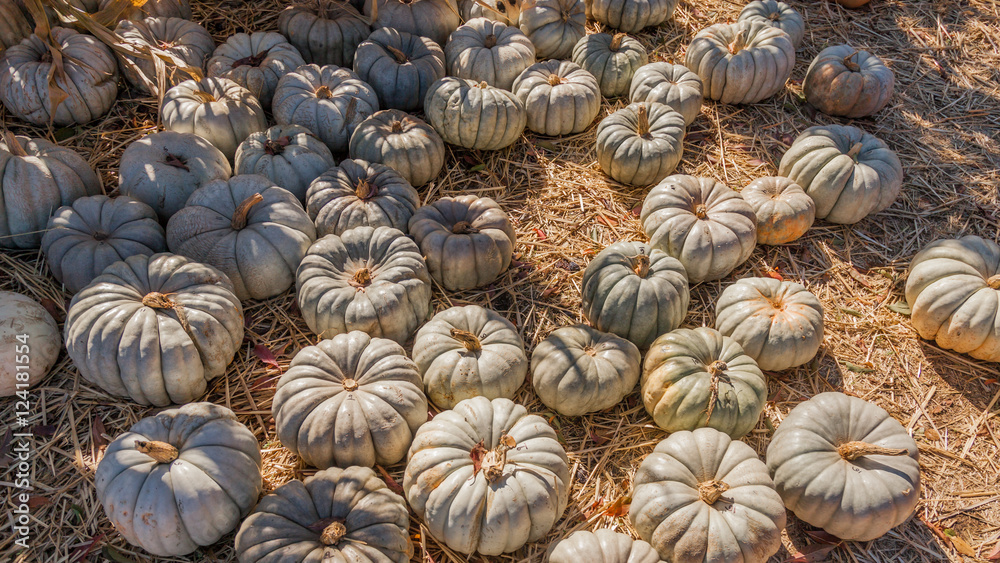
x,y
554,26
435,19
641,143
673,85
784,211
288,155
848,82
358,193
255,61
407,144
631,16
776,14
488,51
474,115
183,39
326,32
399,66
612,59
218,109
560,97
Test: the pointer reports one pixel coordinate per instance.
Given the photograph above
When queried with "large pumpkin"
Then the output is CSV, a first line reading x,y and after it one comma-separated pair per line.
x,y
776,14
635,291
848,82
218,109
402,142
697,378
358,194
181,479
350,400
953,288
702,497
335,515
850,174
487,477
468,241
554,26
288,155
504,11
612,59
163,169
702,223
326,32
255,61
641,143
372,280
631,16
32,344
399,66
36,178
435,19
488,51
253,231
601,546
466,352
84,83
155,328
84,238
669,84
151,9
560,97
843,464
743,62
183,39
474,116
784,211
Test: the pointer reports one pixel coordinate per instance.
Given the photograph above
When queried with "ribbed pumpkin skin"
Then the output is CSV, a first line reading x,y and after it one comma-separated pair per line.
x,y
677,379
36,178
846,188
488,51
567,107
778,323
289,522
633,157
21,315
848,82
255,61
952,288
755,72
435,19
468,241
776,14
612,62
460,507
288,155
784,211
171,509
154,9
673,85
474,116
744,525
146,352
350,400
326,32
163,169
392,305
503,11
618,300
692,218
226,122
399,84
601,546
329,101
554,26
855,500
631,16
402,142
90,80
187,41
455,369
84,238
360,194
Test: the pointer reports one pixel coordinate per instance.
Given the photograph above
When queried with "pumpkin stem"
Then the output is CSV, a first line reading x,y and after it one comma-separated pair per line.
x,y
482,85
469,340
324,93
252,60
350,385
365,190
851,65
590,351
362,278
240,216
333,533
642,117
101,236
774,16
176,162
13,145
853,153
397,126
464,228
555,79
701,210
715,370
490,41
616,41
495,459
157,300
205,97
739,42
994,282
851,451
640,265
711,491
162,452
717,367
400,56
277,146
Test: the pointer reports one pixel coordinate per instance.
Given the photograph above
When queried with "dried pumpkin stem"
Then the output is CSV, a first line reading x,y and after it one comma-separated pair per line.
x,y
715,370
464,228
365,190
482,85
400,56
205,97
994,282
555,79
616,41
240,216
701,210
590,351
157,300
162,452
855,149
277,146
740,42
469,340
774,16
13,145
362,278
495,459
490,41
324,93
397,126
350,384
333,533
252,60
640,265
711,491
176,162
642,121
851,65
851,451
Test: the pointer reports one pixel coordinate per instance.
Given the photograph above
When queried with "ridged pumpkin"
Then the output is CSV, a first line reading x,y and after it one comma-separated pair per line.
x,y
474,116
255,61
326,32
402,142
631,16
848,82
399,66
153,9
218,109
359,194
673,85
560,97
435,19
182,38
776,14
784,211
612,59
24,321
641,143
288,155
601,546
554,26
488,51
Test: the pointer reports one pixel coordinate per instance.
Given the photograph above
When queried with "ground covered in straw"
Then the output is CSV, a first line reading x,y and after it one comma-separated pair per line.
x,y
944,122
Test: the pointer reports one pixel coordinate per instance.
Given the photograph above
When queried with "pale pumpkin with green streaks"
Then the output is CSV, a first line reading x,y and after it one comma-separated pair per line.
x,y
631,16
776,14
612,59
488,51
560,97
554,26
743,62
641,143
474,115
402,142
360,194
288,155
601,546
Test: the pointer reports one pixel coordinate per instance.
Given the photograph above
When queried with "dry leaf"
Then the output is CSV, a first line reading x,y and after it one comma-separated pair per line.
x,y
477,454
619,508
962,546
995,554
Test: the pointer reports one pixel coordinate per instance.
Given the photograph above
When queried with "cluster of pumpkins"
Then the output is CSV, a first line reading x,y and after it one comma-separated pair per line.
x,y
250,210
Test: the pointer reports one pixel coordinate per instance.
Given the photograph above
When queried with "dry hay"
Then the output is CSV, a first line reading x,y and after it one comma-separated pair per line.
x,y
943,123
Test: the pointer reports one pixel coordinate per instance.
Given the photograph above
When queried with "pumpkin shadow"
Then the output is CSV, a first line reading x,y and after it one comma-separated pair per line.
x,y
975,380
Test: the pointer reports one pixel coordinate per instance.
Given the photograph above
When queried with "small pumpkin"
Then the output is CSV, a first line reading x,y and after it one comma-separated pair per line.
x,y
84,238
218,109
288,155
255,61
487,477
326,32
183,39
632,16
697,378
139,480
84,81
703,496
778,323
435,19
741,63
578,370
402,142
843,464
503,11
784,211
560,97
612,59
635,291
163,169
641,143
776,14
399,66
349,400
336,514
368,279
358,193
672,85
702,223
488,51
468,241
601,546
466,352
953,287
554,26
329,101
36,178
155,328
151,9
474,116
25,328
848,82
850,174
